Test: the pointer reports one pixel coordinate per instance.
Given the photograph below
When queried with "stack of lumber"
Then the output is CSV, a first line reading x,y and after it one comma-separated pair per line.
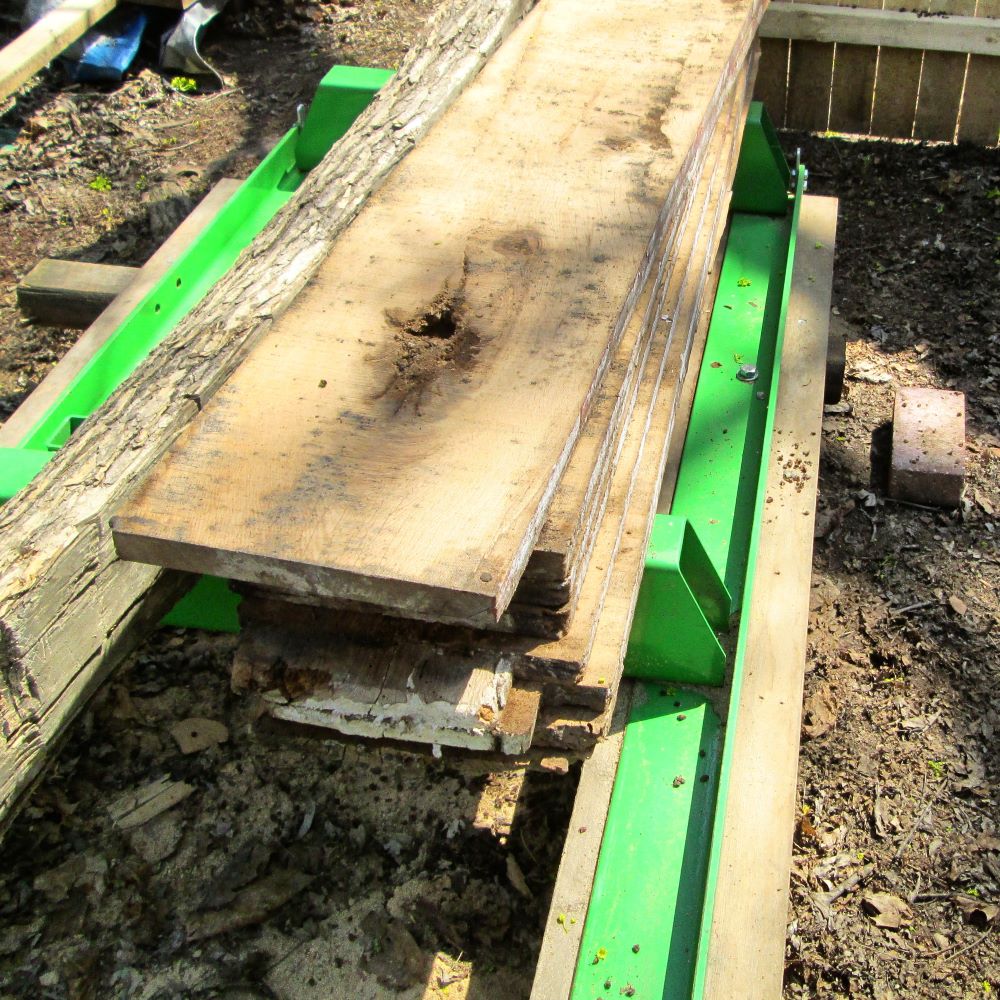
x,y
436,474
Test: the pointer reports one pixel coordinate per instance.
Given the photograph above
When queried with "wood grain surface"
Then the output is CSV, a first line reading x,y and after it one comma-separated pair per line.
x,y
398,436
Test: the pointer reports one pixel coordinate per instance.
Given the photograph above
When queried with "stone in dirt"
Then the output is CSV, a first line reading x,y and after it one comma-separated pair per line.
x,y
928,446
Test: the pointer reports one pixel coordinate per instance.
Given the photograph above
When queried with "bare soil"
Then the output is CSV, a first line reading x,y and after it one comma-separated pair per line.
x,y
298,867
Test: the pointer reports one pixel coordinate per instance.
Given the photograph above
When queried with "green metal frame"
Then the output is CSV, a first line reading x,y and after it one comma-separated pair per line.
x,y
653,896
741,644
682,604
642,923
658,867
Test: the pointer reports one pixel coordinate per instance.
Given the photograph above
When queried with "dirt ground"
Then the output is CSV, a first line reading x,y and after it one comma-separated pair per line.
x,y
897,867
295,867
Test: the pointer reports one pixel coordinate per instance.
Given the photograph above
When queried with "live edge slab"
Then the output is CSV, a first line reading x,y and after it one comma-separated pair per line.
x,y
398,435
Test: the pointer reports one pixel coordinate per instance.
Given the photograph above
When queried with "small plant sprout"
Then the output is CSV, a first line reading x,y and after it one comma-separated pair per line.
x,y
100,183
937,766
184,84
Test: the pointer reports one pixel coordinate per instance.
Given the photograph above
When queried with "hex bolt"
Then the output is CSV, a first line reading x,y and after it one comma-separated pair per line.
x,y
747,373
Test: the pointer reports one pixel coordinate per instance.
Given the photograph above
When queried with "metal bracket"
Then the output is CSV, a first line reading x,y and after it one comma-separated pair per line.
x,y
682,604
341,96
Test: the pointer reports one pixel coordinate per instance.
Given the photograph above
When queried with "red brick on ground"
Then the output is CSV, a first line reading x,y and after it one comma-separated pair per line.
x,y
928,446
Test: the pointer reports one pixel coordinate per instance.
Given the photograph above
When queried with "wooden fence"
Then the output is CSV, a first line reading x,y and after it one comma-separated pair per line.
x,y
866,66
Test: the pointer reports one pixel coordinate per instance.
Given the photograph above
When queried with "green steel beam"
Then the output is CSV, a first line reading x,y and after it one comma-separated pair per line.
x,y
641,931
762,179
732,726
210,604
341,96
720,465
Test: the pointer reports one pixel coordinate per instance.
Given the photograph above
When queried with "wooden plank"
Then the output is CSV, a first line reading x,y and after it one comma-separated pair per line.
x,y
747,937
421,700
896,29
69,609
379,641
60,377
37,46
310,643
495,286
897,84
853,89
547,593
979,121
575,879
69,292
941,84
591,702
810,75
772,78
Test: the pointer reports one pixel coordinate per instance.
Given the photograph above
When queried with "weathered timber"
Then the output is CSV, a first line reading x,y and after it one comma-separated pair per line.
x,y
402,468
300,649
547,592
578,863
69,292
850,24
69,608
39,44
422,699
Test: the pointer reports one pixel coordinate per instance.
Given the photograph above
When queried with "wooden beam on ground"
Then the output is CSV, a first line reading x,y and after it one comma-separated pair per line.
x,y
38,45
747,937
69,292
894,29
406,472
144,279
69,609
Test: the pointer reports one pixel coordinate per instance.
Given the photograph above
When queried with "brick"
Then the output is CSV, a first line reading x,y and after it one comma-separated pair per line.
x,y
928,447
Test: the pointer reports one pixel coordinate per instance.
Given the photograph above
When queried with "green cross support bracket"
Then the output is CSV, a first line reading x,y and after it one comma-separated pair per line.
x,y
682,604
762,180
341,96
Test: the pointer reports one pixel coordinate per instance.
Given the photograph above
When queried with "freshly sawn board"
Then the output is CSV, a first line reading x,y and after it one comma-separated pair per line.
x,y
398,436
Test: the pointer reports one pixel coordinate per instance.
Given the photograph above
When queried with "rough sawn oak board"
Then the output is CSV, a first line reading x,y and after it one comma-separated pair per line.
x,y
397,436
